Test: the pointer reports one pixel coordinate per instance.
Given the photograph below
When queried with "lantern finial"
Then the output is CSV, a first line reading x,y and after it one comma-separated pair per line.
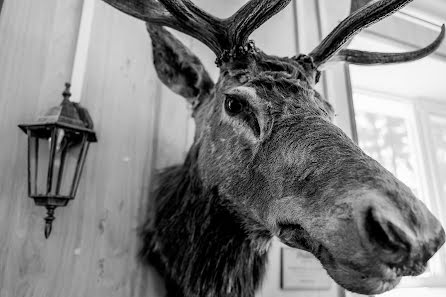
x,y
49,220
67,94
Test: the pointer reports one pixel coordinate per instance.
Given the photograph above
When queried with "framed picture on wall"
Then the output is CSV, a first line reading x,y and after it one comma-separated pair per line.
x,y
302,271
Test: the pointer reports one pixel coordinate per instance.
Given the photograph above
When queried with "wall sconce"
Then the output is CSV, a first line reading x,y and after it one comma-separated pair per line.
x,y
58,143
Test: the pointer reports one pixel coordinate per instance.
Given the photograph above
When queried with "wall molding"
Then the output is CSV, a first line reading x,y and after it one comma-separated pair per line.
x,y
82,47
419,17
432,10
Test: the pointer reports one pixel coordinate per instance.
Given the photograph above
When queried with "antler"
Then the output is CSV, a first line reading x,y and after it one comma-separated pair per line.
x,y
224,35
358,4
360,19
375,58
219,35
182,15
250,17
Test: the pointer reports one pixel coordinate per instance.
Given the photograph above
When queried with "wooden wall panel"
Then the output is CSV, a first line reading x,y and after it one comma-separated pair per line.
x,y
122,93
27,48
92,249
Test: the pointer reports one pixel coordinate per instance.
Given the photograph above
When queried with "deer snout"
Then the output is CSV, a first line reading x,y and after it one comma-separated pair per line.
x,y
401,238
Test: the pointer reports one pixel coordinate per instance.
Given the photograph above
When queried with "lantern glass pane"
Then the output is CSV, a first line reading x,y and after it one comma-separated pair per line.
x,y
82,154
53,161
68,175
66,158
41,151
33,163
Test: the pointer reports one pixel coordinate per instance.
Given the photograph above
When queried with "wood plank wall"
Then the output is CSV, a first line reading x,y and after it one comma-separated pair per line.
x,y
36,55
141,127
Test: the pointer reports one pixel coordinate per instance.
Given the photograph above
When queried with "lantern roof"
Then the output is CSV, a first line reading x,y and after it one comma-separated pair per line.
x,y
68,115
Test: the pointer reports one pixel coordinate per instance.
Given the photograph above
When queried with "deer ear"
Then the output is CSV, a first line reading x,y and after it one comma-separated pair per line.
x,y
177,67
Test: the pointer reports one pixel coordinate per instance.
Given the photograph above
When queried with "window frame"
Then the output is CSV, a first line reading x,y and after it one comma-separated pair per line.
x,y
424,110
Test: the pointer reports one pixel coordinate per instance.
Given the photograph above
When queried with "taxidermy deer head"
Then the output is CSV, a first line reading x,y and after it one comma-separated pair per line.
x,y
267,161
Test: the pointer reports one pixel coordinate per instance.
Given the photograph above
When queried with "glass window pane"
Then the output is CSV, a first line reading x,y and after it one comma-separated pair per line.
x,y
384,134
438,129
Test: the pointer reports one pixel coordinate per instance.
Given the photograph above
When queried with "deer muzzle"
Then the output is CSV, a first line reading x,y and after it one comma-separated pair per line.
x,y
365,226
367,241
404,238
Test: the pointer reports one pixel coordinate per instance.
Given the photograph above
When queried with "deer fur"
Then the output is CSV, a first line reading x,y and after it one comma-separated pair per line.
x,y
212,249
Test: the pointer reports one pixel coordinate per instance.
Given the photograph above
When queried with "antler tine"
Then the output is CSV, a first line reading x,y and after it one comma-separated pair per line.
x,y
358,4
352,25
185,9
199,24
181,15
250,17
149,11
374,58
228,33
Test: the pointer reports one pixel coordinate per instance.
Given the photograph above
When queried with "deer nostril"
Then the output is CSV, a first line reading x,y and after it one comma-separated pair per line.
x,y
384,234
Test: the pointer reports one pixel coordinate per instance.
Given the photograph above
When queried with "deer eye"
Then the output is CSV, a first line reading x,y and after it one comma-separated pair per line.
x,y
234,105
238,107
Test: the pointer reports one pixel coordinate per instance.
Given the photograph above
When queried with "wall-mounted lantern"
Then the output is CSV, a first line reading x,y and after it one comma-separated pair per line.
x,y
58,143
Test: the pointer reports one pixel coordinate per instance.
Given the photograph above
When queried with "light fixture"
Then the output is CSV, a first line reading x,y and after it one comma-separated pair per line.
x,y
58,143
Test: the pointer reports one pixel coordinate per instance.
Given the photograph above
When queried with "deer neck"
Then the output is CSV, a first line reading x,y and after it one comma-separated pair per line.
x,y
197,241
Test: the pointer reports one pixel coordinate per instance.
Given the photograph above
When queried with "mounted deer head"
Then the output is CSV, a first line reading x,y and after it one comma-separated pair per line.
x,y
267,161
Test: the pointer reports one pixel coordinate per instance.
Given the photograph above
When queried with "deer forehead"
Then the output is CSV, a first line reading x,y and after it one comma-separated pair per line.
x,y
247,92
